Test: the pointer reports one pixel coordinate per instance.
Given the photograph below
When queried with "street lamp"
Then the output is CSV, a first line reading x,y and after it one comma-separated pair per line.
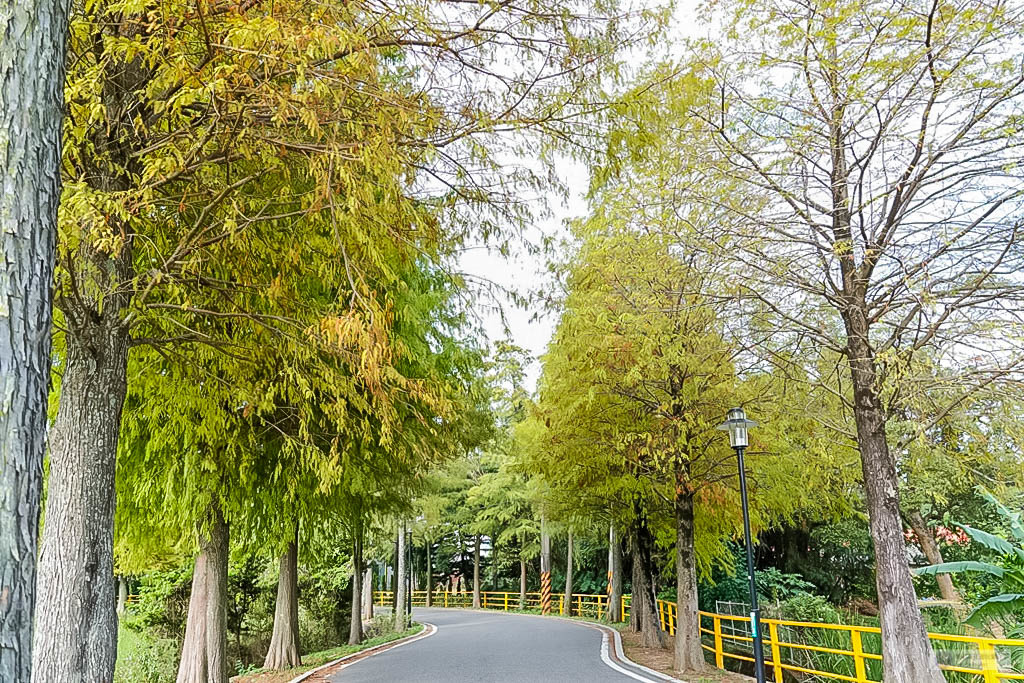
x,y
737,424
408,577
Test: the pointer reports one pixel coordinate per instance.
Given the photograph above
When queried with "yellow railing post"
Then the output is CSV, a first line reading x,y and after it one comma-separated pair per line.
x,y
859,668
506,602
579,605
561,604
446,598
719,658
773,633
661,614
989,663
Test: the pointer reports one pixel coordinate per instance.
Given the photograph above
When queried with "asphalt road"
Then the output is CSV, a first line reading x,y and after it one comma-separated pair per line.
x,y
492,647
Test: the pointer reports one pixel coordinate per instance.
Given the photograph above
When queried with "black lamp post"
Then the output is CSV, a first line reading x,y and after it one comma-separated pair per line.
x,y
408,577
737,424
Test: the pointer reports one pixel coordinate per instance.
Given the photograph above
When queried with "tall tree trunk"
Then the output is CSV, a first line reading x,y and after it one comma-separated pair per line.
x,y
400,587
76,623
689,656
122,594
355,631
906,650
33,40
430,577
614,576
643,611
367,610
567,597
204,653
493,561
283,652
476,572
907,653
522,583
934,556
394,572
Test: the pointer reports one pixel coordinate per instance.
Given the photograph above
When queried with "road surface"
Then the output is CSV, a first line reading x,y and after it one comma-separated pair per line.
x,y
492,647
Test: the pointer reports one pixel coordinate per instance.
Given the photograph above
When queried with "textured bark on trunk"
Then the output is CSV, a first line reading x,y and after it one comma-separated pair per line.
x,y
643,611
400,599
689,656
368,594
615,573
355,630
76,624
476,573
283,652
522,583
430,577
907,653
568,577
33,39
931,551
204,652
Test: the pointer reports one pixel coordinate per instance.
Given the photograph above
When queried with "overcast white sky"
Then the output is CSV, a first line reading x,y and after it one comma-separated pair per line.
x,y
522,273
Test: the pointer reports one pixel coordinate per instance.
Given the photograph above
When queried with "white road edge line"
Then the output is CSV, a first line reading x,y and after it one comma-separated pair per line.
x,y
605,630
622,656
428,630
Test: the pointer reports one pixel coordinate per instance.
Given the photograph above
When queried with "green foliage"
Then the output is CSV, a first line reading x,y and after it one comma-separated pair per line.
x,y
325,594
161,602
144,658
731,585
1007,606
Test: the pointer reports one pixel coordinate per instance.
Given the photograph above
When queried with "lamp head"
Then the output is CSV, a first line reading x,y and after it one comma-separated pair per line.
x,y
737,424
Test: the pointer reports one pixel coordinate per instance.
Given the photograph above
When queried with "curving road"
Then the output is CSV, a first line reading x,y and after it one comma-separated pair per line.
x,y
474,646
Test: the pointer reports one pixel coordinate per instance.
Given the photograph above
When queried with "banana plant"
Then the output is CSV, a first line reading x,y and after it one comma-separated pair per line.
x,y
1010,569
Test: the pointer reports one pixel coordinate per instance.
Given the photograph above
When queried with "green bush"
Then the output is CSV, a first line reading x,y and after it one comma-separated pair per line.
x,y
161,602
807,607
142,658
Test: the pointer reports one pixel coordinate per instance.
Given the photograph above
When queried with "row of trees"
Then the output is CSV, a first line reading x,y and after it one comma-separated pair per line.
x,y
256,326
817,216
258,341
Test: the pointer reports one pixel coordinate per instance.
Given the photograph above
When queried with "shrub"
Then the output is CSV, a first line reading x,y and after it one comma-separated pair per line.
x,y
145,659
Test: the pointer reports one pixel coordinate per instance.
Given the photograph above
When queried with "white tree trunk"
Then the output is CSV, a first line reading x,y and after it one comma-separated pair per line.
x,y
522,583
355,630
368,594
430,578
122,594
401,621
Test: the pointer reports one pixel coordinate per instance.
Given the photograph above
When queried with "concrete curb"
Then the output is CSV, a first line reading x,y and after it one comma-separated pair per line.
x,y
428,630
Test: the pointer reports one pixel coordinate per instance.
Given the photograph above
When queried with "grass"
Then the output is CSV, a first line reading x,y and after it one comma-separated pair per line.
x,y
315,659
143,658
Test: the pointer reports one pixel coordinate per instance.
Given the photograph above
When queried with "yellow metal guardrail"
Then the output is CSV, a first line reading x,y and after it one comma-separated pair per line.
x,y
586,605
854,652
